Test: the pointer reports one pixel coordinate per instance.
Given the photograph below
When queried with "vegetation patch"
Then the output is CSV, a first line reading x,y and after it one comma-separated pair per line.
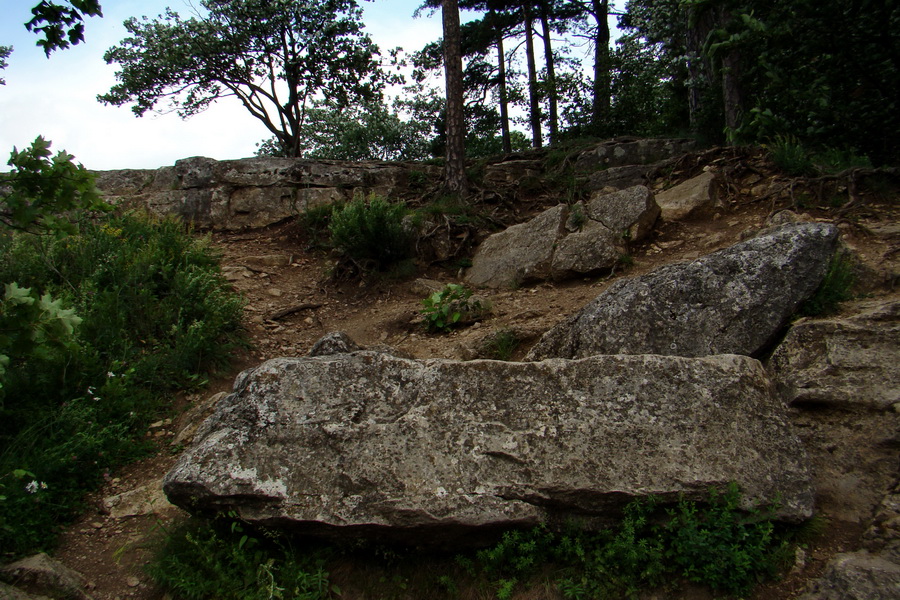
x,y
450,307
95,329
836,287
654,546
371,234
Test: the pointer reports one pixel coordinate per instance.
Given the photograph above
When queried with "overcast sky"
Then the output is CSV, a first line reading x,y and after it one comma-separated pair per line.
x,y
56,97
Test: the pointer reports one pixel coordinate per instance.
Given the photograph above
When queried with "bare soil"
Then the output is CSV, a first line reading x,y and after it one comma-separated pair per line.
x,y
274,271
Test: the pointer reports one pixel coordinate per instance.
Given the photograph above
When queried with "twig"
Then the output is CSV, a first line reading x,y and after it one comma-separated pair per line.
x,y
291,310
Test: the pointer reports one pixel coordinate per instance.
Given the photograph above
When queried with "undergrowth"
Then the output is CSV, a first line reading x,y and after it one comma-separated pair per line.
x,y
836,287
654,546
152,314
371,233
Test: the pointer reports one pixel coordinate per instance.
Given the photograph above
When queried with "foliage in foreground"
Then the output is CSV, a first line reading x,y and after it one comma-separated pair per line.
x,y
154,313
219,560
836,287
713,543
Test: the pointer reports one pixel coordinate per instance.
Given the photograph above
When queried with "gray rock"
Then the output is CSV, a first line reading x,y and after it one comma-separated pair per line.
x,y
593,248
848,361
631,212
8,592
736,300
857,576
40,574
521,253
335,342
438,451
621,152
689,197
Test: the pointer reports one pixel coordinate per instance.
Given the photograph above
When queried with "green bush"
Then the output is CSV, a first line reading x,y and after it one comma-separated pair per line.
x,y
836,287
224,560
451,306
790,156
155,314
371,233
713,543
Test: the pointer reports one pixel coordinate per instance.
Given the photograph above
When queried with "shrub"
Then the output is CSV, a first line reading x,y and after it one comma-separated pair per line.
x,y
224,560
155,314
790,156
451,306
371,233
714,543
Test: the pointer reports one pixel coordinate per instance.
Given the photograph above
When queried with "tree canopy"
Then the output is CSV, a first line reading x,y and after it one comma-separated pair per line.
x,y
274,56
61,25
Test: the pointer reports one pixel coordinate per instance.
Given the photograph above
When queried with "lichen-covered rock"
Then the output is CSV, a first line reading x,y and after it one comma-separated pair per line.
x,y
621,152
631,212
557,245
41,574
857,576
849,361
436,451
689,196
736,300
594,247
520,253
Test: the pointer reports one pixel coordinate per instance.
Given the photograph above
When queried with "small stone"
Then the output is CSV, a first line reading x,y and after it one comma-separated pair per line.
x,y
133,582
97,525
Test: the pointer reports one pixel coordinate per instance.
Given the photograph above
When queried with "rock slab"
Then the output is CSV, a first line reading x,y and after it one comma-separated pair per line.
x,y
852,361
439,451
734,301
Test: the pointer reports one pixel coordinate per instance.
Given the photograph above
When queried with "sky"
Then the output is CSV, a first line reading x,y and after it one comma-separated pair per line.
x,y
56,97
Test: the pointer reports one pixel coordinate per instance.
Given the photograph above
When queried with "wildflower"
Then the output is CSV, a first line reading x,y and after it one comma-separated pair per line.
x,y
35,485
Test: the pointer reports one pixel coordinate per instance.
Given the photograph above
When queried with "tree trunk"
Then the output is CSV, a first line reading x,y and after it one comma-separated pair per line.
x,y
731,92
602,66
455,168
504,100
551,74
534,106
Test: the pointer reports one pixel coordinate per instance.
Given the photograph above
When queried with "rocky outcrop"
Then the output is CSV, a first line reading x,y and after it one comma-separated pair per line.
x,y
621,152
565,241
736,300
436,451
252,192
852,361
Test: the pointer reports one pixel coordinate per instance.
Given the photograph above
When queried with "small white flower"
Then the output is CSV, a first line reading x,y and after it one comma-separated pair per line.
x,y
44,485
110,374
32,487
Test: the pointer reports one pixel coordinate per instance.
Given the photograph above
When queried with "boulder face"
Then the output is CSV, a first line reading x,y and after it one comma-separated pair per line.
x,y
734,301
438,451
564,241
849,362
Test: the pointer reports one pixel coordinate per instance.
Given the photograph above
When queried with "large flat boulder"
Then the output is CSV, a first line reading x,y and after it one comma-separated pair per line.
x,y
438,451
853,361
734,301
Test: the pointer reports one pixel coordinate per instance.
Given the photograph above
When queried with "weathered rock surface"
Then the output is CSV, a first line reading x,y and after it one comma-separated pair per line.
x,y
40,574
857,576
520,253
554,246
434,451
736,300
849,361
251,192
689,196
621,152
